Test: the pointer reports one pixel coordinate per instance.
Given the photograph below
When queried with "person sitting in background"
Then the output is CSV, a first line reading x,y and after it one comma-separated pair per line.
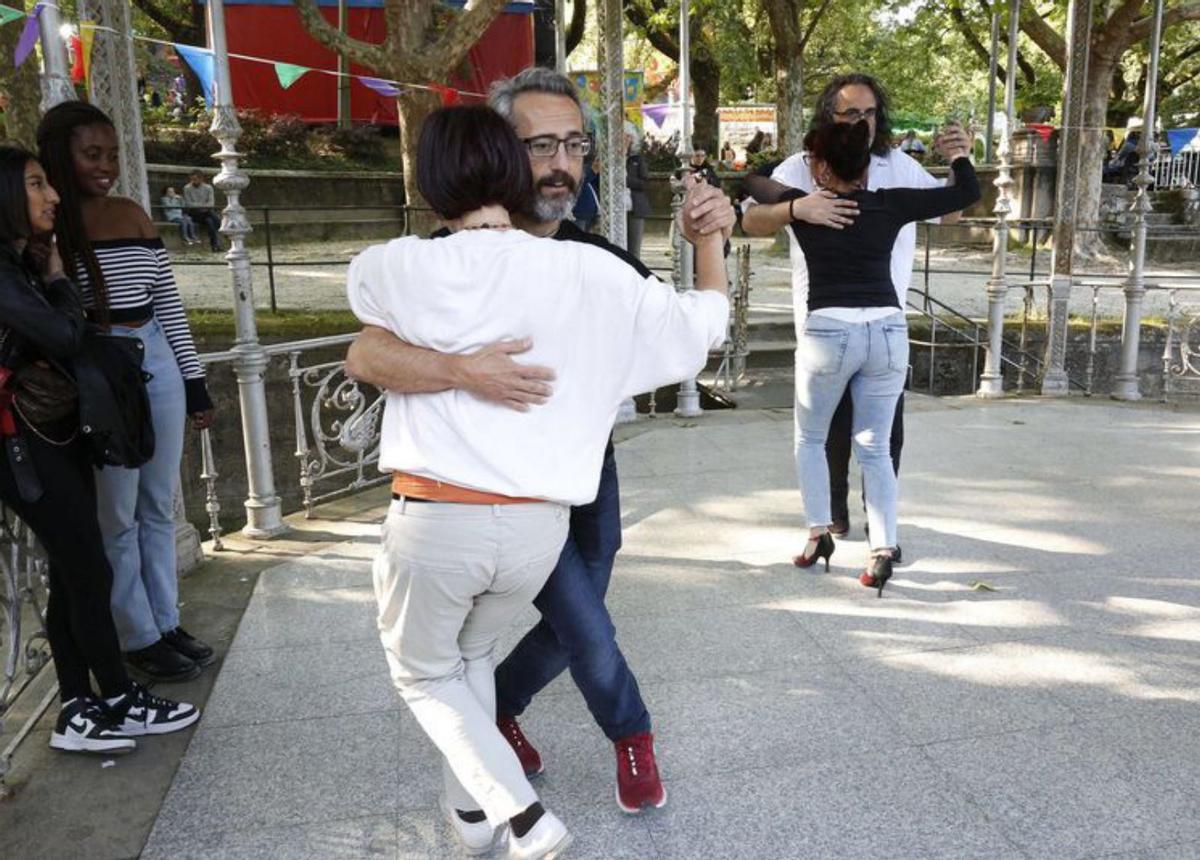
x,y
201,205
728,157
172,207
911,145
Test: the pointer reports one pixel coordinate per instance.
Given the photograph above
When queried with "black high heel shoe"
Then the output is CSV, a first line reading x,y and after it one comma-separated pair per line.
x,y
877,575
824,549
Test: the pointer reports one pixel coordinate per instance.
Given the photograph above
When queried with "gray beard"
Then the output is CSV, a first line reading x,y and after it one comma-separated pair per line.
x,y
546,210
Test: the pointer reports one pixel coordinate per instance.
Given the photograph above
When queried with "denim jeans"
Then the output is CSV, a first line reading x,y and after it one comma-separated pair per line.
x,y
576,631
136,507
450,580
871,360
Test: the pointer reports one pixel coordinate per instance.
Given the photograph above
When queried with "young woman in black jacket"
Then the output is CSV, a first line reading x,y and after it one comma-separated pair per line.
x,y
46,476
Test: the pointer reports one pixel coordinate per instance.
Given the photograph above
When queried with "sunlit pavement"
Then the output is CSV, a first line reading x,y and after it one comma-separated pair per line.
x,y
1026,687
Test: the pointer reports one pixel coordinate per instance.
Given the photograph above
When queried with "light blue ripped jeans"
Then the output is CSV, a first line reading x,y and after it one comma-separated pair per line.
x,y
872,359
137,506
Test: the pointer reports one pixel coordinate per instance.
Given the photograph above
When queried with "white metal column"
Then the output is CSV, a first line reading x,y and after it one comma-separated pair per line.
x,y
263,511
1126,382
56,68
991,381
1079,31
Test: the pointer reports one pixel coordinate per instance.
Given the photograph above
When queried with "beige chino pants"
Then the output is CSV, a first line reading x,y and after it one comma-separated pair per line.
x,y
450,579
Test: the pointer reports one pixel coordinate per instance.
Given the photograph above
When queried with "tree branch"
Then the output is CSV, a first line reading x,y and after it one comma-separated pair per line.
x,y
451,48
173,26
1140,29
813,22
375,57
968,33
662,43
577,26
1043,35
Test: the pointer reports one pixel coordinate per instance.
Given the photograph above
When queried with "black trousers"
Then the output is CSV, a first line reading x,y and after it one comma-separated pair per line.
x,y
837,453
212,225
79,622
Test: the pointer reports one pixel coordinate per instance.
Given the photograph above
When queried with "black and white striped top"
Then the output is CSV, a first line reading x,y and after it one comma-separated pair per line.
x,y
138,276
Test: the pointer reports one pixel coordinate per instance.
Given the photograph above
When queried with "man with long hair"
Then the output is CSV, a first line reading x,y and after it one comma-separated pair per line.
x,y
851,98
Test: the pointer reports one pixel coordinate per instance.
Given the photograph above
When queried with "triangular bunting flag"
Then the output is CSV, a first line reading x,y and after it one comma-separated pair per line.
x,y
201,61
87,37
288,74
449,96
8,15
384,88
29,37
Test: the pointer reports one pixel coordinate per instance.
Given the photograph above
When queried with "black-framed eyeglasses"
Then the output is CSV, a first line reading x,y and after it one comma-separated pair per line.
x,y
854,114
546,145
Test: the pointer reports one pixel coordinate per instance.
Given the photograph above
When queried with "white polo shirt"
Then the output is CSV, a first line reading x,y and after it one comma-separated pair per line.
x,y
607,332
895,170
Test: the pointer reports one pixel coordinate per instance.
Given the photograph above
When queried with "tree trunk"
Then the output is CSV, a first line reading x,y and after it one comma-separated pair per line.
x,y
414,106
789,98
706,88
1091,157
24,91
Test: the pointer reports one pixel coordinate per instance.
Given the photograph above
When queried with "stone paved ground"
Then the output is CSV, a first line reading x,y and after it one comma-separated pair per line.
x,y
958,280
797,715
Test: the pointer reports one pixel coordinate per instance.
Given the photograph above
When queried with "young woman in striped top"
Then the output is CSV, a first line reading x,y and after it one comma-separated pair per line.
x,y
112,249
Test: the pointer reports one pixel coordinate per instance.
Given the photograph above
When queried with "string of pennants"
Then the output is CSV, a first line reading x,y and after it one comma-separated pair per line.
x,y
201,60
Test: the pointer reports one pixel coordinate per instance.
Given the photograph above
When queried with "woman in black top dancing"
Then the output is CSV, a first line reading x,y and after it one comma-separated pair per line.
x,y
855,334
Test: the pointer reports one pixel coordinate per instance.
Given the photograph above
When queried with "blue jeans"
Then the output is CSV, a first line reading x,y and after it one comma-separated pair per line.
x,y
137,506
871,360
576,631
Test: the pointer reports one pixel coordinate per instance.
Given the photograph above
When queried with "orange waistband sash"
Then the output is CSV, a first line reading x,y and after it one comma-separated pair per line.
x,y
418,487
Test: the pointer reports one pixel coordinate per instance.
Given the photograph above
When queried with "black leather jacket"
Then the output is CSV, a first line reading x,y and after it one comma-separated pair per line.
x,y
37,321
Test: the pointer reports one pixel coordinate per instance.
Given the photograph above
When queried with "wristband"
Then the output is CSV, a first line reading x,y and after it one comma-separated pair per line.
x,y
791,214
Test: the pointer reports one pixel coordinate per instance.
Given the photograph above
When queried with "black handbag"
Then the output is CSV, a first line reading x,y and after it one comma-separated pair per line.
x,y
114,408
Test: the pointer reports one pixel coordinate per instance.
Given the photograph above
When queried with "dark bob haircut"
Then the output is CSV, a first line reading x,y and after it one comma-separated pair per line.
x,y
844,147
469,157
883,119
14,200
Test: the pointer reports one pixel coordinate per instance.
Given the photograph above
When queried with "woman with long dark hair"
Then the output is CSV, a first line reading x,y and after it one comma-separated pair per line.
x,y
110,246
855,336
46,475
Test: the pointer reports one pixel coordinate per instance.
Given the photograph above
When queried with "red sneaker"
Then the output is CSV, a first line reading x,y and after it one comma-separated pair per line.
x,y
530,758
638,784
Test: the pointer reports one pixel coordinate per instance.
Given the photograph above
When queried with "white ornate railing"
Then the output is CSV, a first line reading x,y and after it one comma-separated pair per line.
x,y
336,423
23,646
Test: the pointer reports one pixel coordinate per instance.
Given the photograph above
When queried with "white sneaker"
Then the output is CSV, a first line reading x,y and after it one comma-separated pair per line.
x,y
84,725
476,837
138,712
547,840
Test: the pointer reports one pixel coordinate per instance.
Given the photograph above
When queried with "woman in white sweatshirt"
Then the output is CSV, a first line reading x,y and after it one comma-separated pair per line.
x,y
481,492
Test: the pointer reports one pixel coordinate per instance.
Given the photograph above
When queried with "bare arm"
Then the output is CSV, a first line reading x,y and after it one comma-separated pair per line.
x,y
765,219
380,358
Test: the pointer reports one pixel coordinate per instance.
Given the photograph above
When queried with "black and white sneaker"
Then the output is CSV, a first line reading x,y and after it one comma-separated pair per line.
x,y
140,713
85,725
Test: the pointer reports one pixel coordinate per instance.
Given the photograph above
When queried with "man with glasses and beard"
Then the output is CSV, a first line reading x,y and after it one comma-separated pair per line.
x,y
575,631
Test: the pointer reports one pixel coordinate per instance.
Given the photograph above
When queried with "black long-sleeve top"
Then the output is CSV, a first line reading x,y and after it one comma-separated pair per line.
x,y
851,268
